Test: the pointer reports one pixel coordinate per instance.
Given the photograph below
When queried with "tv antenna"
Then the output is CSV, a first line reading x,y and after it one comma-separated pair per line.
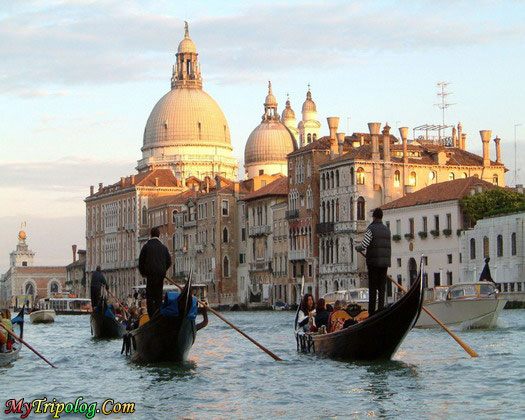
x,y
442,93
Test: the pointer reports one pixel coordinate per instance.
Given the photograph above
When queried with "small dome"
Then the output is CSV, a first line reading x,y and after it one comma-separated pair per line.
x,y
288,113
309,105
187,46
271,141
270,101
22,235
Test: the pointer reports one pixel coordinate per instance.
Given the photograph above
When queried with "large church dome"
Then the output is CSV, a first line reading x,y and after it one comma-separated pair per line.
x,y
186,130
269,143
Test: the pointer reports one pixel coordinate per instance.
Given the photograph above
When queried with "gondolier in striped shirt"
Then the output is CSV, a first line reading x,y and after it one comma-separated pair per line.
x,y
377,244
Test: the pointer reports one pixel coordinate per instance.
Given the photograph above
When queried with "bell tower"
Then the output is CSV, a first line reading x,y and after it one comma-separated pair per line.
x,y
186,72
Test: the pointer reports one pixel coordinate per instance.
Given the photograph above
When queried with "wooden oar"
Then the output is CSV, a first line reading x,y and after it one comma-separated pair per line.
x,y
27,345
218,315
120,303
465,346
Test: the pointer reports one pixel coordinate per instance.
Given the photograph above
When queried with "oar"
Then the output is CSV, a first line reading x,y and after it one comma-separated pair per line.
x,y
118,301
465,346
218,315
27,345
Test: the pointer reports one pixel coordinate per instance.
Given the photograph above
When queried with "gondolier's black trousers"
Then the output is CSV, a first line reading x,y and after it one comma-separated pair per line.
x,y
154,294
376,285
95,296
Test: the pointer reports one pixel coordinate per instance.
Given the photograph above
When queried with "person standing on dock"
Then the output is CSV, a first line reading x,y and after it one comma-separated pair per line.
x,y
154,261
378,246
97,281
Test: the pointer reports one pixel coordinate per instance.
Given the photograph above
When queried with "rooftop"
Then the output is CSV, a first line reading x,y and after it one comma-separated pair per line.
x,y
277,187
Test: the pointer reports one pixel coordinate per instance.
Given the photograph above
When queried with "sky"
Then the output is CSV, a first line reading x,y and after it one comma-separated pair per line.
x,y
78,80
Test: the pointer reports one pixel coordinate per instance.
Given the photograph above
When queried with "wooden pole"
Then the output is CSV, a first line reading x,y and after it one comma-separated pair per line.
x,y
465,346
27,345
118,301
218,315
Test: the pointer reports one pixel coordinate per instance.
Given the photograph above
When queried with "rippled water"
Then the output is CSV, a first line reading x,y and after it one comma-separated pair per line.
x,y
227,377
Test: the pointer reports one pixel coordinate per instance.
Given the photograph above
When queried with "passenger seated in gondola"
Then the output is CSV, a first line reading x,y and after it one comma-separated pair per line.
x,y
5,319
306,315
143,316
321,314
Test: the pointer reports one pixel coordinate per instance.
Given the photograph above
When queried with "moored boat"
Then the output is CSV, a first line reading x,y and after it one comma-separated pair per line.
x,y
104,323
66,305
468,305
375,338
171,332
44,316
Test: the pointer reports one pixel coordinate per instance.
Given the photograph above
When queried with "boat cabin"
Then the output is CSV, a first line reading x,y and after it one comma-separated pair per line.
x,y
472,291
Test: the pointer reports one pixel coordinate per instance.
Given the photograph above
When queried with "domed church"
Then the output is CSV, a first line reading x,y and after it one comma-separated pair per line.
x,y
269,143
187,131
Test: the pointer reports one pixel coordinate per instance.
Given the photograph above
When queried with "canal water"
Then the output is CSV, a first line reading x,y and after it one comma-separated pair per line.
x,y
227,377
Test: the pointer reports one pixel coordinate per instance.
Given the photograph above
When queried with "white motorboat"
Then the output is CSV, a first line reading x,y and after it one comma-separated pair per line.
x,y
44,316
359,295
466,305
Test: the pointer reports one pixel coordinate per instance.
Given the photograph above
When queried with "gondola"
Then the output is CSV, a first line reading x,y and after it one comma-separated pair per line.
x,y
11,356
171,332
104,323
376,338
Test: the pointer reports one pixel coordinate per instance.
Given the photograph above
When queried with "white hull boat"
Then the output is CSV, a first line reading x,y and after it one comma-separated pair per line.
x,y
466,306
42,317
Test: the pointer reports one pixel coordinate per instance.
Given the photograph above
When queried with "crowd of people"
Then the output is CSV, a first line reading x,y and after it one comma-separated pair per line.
x,y
324,318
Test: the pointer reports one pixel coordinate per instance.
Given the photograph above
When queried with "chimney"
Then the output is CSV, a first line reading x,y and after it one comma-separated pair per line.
x,y
74,248
374,132
460,130
91,190
122,181
156,181
485,138
386,143
333,123
132,179
100,185
340,142
498,149
403,132
463,141
217,182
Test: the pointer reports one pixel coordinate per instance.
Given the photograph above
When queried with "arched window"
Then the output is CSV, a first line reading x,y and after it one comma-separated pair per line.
x,y
451,176
225,235
413,179
30,289
174,216
336,210
486,247
472,249
309,137
495,179
226,267
323,185
500,245
397,179
337,178
332,179
464,175
328,211
360,208
351,208
174,241
323,212
144,215
360,176
314,137
513,243
352,176
54,287
432,176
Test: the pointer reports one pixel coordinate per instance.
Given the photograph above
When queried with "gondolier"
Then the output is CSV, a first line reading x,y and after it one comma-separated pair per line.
x,y
154,261
377,244
97,281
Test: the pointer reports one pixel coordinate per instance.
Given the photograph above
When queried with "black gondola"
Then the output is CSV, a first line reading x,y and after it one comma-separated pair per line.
x,y
375,338
104,324
166,338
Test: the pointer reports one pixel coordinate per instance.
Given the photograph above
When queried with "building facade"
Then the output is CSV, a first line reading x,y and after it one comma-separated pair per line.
x,y
76,279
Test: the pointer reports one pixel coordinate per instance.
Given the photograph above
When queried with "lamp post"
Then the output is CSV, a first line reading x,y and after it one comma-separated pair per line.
x,y
515,156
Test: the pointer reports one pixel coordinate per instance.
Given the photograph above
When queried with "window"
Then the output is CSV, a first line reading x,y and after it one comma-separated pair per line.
x,y
464,175
360,208
360,176
225,207
310,271
226,267
242,258
243,234
486,247
451,176
413,179
24,263
500,245
432,177
436,222
495,179
212,208
309,138
352,176
225,235
144,215
425,224
398,227
425,261
449,221
173,216
387,223
437,279
397,179
54,287
261,171
399,262
449,258
513,243
472,249
449,278
411,226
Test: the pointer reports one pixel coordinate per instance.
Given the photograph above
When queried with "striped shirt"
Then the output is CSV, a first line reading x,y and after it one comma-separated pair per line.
x,y
367,239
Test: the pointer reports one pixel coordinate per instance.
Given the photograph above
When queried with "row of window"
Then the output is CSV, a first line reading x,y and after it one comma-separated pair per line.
x,y
424,224
499,246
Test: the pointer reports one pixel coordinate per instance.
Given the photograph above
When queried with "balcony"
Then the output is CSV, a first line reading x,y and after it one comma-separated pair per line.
x,y
292,214
351,226
261,266
297,254
339,268
261,230
190,223
326,227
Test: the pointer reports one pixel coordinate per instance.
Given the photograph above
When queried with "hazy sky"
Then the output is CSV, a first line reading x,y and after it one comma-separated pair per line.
x,y
78,80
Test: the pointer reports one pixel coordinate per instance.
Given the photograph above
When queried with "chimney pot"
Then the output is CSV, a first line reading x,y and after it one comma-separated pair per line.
x,y
333,123
91,190
374,128
341,141
122,181
156,181
498,149
132,179
403,132
485,138
74,248
100,185
374,132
